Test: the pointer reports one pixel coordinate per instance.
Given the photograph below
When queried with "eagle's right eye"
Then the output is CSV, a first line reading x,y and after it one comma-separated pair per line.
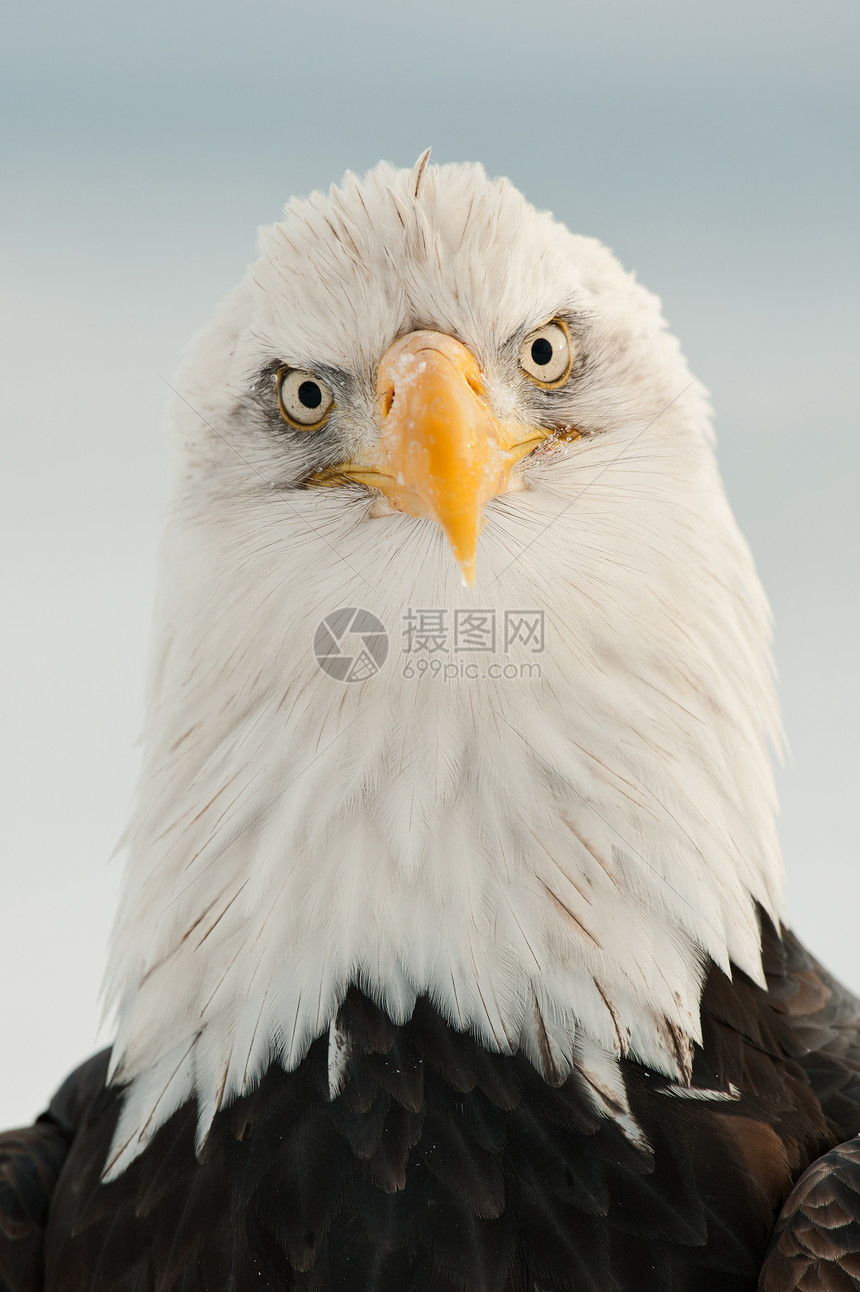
x,y
304,400
546,355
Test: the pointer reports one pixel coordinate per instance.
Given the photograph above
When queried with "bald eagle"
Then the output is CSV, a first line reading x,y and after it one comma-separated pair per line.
x,y
450,956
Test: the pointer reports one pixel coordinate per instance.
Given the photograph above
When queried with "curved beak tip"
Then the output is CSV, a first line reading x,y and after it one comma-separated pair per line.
x,y
467,572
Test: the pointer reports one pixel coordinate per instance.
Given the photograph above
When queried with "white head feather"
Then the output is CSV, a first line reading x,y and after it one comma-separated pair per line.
x,y
555,860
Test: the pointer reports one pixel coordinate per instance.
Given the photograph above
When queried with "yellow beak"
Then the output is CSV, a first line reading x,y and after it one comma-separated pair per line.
x,y
442,452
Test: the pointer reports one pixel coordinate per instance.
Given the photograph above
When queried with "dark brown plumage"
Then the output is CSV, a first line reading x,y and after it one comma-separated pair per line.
x,y
442,1167
815,1246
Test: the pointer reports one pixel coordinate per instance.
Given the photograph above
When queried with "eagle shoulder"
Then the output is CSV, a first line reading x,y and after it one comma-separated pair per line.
x,y
31,1160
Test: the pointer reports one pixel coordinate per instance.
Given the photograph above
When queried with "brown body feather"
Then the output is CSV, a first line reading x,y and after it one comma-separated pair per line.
x,y
440,1166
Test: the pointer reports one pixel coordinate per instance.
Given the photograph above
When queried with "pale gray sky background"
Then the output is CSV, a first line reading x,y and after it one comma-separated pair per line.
x,y
712,146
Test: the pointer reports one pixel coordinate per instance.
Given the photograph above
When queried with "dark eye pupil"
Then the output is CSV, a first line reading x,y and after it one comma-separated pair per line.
x,y
310,394
541,351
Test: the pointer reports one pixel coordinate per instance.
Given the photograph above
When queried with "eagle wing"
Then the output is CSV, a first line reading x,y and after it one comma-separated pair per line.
x,y
31,1160
815,1246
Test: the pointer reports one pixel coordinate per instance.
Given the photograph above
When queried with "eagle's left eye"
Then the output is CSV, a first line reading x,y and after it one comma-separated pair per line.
x,y
304,400
546,355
